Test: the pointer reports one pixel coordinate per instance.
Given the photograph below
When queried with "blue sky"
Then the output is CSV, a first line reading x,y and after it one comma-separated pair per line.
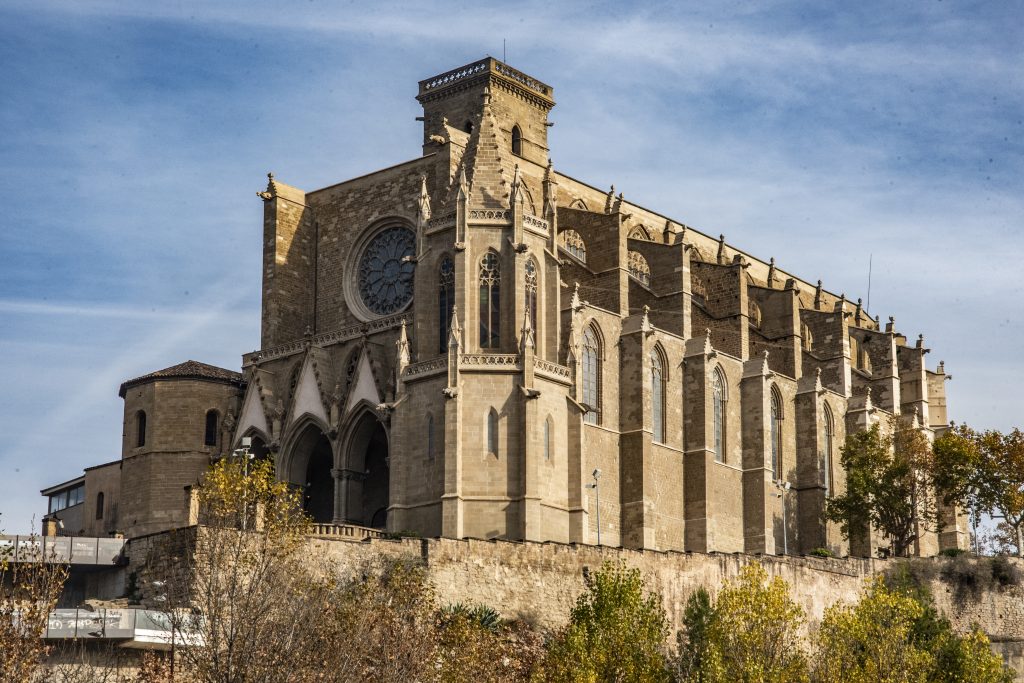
x,y
136,135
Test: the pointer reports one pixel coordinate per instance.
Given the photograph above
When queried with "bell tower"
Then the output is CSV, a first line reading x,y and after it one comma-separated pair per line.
x,y
519,103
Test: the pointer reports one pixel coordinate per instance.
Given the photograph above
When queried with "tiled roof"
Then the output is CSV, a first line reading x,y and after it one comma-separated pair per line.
x,y
190,369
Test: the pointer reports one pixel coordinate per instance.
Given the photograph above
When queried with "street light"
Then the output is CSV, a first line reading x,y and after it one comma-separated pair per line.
x,y
597,492
246,455
783,487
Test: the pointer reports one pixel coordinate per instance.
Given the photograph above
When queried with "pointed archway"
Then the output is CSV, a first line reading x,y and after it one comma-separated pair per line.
x,y
310,461
368,469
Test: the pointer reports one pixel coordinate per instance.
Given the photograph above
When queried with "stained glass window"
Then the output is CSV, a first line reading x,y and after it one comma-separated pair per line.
x,y
592,376
445,302
385,275
531,293
490,301
658,396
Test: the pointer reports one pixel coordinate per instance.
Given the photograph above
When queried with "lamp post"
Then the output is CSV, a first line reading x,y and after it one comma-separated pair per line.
x,y
597,493
783,487
246,455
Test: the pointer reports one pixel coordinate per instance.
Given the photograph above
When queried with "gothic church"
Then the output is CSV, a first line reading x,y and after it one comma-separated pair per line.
x,y
473,344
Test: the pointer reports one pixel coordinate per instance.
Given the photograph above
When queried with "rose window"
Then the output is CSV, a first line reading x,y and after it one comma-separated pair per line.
x,y
385,274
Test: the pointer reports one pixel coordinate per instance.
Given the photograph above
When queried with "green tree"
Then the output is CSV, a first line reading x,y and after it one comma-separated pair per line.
x,y
693,644
894,634
985,472
753,633
616,632
889,486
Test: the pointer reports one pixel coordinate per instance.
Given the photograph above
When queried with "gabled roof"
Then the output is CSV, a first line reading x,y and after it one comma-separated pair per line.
x,y
190,369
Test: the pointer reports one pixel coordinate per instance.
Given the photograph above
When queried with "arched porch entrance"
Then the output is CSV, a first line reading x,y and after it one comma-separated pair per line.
x,y
310,467
366,477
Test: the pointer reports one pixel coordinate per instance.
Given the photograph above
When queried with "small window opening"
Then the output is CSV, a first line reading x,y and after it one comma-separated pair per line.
x,y
517,141
99,505
210,437
140,429
468,127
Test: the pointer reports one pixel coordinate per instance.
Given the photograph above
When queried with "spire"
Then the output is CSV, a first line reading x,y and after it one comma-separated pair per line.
x,y
721,250
817,297
609,200
403,348
526,340
455,332
575,303
271,190
422,216
771,273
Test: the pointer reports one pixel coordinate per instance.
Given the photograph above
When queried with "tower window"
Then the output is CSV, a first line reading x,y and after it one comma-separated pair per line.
x,y
718,399
826,466
210,436
490,301
445,301
658,396
592,376
776,434
531,293
517,141
140,429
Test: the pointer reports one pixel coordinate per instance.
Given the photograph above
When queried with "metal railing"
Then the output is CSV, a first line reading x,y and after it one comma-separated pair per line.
x,y
87,550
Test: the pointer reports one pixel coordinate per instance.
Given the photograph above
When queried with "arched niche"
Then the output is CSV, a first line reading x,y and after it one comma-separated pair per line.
x,y
367,471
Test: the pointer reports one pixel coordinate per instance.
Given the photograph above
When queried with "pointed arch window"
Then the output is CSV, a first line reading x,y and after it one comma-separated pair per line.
x,y
573,243
490,301
492,432
658,396
718,398
776,435
592,376
638,268
140,429
531,293
517,141
829,437
445,301
210,433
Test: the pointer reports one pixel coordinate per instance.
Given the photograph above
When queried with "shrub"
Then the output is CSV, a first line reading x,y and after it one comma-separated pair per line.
x,y
822,552
616,632
1004,572
952,552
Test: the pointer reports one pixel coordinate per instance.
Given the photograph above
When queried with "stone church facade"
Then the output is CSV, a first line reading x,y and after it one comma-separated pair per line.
x,y
473,344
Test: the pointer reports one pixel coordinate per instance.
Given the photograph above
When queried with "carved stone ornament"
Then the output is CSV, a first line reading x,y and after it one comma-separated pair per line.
x,y
385,275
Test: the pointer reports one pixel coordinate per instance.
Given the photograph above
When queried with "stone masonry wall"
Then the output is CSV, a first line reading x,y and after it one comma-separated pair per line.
x,y
539,582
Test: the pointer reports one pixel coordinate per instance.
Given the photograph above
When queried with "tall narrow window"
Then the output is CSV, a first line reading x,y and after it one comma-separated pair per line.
x,y
492,432
826,467
517,141
99,505
547,438
140,429
718,398
210,436
430,436
658,396
445,302
776,430
591,376
490,301
531,293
